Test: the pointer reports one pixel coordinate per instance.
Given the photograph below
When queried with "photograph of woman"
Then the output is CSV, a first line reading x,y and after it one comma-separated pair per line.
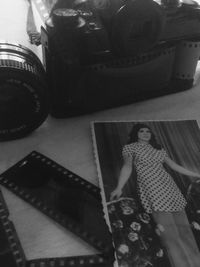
x,y
158,193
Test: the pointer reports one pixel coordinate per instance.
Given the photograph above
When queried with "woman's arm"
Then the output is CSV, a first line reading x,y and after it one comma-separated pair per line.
x,y
174,166
124,175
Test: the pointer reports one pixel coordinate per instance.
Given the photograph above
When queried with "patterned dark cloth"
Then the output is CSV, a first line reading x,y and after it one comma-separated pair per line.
x,y
136,238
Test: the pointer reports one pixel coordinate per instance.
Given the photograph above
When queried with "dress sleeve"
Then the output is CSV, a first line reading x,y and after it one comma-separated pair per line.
x,y
127,152
165,154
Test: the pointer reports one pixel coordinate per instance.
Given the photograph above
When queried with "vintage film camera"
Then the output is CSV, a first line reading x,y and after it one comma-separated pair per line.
x,y
99,54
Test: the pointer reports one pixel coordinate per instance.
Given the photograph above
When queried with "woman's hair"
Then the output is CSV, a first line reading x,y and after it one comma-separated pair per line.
x,y
133,135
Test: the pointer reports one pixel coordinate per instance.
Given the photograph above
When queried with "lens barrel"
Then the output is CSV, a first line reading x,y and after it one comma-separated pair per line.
x,y
23,91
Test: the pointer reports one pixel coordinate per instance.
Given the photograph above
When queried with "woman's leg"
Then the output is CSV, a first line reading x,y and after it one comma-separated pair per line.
x,y
170,238
187,237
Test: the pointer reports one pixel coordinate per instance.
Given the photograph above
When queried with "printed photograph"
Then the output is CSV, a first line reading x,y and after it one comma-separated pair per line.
x,y
149,174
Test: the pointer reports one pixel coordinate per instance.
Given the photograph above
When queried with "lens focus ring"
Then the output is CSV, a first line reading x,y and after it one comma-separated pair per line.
x,y
23,92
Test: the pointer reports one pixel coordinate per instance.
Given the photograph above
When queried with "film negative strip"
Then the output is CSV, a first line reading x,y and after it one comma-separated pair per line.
x,y
80,261
63,196
11,252
162,51
42,9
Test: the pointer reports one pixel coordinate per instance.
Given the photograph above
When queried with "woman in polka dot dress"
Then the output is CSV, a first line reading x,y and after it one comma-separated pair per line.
x,y
159,194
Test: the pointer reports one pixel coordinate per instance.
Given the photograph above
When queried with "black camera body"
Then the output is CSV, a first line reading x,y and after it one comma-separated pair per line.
x,y
102,54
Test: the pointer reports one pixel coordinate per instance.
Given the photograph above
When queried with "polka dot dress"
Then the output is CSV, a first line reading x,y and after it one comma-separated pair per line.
x,y
157,189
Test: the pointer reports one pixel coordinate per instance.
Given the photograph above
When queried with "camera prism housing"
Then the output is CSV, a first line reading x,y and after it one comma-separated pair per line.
x,y
102,56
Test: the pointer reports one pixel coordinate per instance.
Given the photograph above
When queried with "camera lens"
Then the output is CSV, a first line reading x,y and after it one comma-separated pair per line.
x,y
68,17
137,27
171,3
23,92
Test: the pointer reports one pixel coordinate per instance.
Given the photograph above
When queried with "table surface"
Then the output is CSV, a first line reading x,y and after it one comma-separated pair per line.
x,y
68,142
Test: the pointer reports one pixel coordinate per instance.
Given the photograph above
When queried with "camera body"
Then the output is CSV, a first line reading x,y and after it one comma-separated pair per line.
x,y
99,54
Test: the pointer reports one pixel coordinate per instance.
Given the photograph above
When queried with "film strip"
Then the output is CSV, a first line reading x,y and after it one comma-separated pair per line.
x,y
82,261
11,252
42,9
134,61
65,197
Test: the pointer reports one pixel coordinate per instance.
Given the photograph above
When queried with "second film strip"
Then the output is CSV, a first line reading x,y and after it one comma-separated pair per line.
x,y
66,198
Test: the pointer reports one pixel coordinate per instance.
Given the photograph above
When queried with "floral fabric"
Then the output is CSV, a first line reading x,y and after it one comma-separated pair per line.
x,y
136,238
